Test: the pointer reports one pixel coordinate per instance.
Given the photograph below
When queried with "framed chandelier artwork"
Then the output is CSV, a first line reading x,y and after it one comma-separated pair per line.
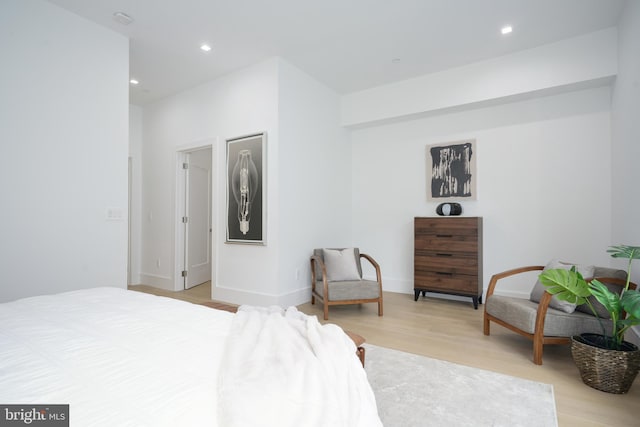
x,y
246,192
451,171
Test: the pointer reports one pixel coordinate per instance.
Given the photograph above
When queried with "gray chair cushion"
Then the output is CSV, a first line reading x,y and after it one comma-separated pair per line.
x,y
318,253
587,272
603,272
521,313
340,264
350,290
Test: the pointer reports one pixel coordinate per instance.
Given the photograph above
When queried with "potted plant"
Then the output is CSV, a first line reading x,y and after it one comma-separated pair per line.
x,y
606,361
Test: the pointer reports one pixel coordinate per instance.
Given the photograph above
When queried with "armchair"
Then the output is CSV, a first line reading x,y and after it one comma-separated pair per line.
x,y
540,321
336,279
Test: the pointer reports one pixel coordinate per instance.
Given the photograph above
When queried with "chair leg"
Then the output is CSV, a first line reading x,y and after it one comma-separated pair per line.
x,y
537,350
326,311
379,308
486,324
313,299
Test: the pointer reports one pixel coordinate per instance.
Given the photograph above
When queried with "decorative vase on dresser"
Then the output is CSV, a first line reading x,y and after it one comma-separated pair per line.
x,y
448,256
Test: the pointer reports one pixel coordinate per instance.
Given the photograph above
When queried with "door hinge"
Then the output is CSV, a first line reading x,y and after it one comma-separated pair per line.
x,y
184,273
185,166
185,219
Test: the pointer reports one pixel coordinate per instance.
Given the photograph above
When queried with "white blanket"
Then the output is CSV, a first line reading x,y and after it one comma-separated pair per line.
x,y
283,368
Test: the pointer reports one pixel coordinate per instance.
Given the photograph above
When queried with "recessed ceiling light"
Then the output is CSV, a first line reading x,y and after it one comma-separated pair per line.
x,y
134,81
506,29
205,47
122,18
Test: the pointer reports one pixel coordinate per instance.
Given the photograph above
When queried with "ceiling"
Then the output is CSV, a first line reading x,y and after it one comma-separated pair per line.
x,y
349,45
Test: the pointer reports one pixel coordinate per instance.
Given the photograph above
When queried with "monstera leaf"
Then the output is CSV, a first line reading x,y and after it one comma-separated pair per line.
x,y
631,304
624,251
627,252
567,285
610,300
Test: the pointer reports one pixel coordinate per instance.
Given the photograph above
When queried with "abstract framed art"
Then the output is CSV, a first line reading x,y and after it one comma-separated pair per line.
x,y
451,171
246,189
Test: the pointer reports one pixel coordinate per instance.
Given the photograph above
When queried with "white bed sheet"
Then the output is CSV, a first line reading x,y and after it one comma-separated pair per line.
x,y
118,358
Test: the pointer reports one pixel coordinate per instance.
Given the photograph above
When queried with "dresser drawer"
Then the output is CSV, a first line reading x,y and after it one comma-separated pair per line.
x,y
447,262
447,243
459,283
446,227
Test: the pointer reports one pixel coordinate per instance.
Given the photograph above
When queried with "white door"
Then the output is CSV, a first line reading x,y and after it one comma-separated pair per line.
x,y
198,224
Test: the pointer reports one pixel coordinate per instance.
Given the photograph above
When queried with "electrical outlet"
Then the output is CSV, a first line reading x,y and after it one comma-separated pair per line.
x,y
297,274
158,263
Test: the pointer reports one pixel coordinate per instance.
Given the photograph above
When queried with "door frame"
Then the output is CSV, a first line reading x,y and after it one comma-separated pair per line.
x,y
179,209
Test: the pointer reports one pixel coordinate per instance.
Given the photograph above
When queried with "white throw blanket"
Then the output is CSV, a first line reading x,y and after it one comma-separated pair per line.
x,y
283,368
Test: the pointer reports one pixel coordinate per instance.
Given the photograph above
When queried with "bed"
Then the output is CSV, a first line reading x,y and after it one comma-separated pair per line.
x,y
124,358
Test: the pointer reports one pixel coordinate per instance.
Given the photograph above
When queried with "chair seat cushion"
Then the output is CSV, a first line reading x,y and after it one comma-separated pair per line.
x,y
350,290
521,313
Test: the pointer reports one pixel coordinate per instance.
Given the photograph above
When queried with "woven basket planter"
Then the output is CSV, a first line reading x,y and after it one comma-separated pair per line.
x,y
611,371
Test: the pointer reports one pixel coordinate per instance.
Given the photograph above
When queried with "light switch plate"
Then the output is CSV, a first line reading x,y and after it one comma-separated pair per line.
x,y
114,214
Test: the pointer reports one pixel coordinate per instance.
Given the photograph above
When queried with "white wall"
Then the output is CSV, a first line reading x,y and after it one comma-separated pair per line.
x,y
308,179
314,177
626,133
626,138
135,188
544,183
238,104
63,127
541,119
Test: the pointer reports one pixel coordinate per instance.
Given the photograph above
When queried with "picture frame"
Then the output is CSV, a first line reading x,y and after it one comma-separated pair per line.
x,y
246,168
451,171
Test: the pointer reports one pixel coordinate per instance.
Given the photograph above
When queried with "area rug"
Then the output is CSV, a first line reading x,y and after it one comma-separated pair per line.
x,y
413,390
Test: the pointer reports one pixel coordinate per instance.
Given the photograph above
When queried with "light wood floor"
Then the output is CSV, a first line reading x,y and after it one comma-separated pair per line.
x,y
452,331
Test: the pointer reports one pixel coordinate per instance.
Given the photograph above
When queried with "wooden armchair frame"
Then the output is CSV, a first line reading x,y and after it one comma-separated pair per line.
x,y
325,297
538,337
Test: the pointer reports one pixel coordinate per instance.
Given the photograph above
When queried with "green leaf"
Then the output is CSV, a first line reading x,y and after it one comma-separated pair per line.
x,y
631,303
630,322
624,251
610,300
567,285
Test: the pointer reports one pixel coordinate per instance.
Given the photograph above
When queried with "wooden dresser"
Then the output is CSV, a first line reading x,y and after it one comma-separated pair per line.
x,y
448,256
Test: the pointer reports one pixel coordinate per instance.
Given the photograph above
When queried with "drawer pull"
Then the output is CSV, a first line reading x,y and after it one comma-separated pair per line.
x,y
442,273
444,235
444,254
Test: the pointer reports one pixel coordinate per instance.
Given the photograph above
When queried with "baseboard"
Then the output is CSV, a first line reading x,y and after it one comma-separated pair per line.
x,y
235,296
297,297
157,281
406,287
303,295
